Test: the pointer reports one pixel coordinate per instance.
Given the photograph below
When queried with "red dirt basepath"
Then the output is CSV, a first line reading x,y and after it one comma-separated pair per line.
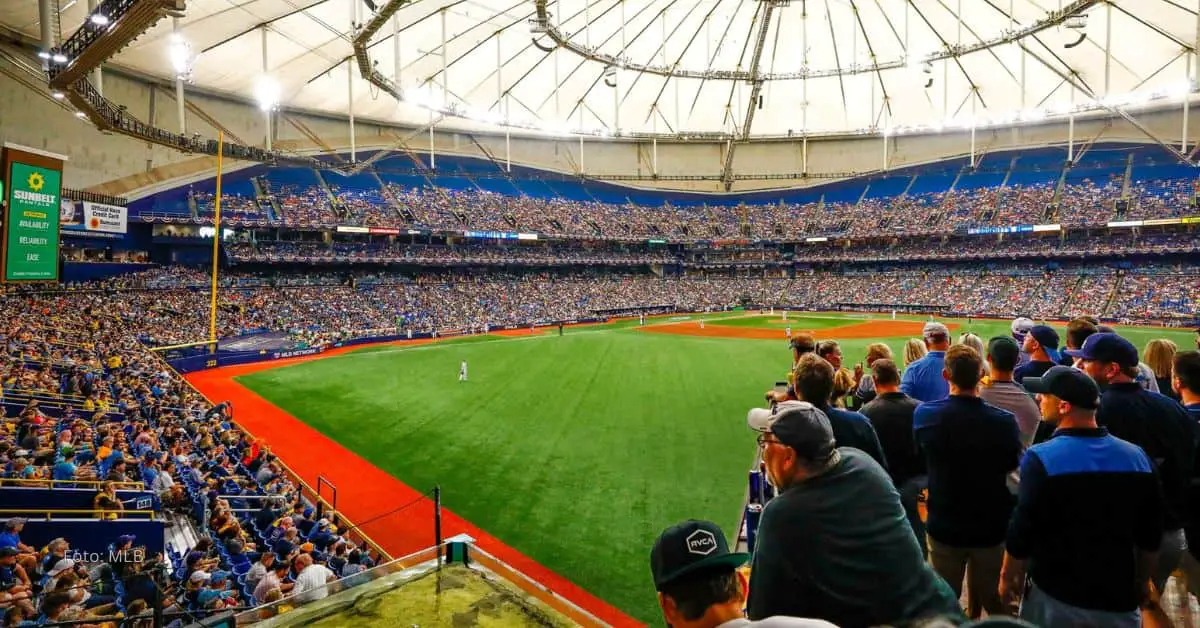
x,y
868,329
366,491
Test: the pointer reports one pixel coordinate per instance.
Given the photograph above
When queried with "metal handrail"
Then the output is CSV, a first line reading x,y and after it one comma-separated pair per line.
x,y
120,486
92,512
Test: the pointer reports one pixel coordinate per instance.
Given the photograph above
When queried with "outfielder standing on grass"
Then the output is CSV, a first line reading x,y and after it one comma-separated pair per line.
x,y
462,371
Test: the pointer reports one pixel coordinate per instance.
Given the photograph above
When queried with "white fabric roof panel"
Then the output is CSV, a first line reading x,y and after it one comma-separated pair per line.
x,y
494,62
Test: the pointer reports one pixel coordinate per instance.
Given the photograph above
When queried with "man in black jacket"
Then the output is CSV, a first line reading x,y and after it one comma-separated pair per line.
x,y
891,413
834,544
1154,422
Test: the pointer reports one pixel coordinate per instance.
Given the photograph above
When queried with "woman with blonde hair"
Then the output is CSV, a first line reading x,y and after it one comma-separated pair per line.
x,y
843,383
1160,357
914,350
975,342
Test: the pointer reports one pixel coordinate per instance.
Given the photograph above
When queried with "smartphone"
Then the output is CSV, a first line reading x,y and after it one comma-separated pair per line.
x,y
781,387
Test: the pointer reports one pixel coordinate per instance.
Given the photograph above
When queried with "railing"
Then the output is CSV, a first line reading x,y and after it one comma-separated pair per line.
x,y
92,197
42,514
74,484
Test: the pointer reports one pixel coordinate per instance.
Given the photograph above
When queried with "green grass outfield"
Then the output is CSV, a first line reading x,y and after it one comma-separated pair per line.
x,y
576,450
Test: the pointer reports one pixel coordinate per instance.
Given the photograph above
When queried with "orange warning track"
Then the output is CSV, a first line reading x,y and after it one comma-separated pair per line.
x,y
869,329
366,491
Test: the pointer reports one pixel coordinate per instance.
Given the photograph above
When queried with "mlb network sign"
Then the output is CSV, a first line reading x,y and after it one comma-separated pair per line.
x,y
31,233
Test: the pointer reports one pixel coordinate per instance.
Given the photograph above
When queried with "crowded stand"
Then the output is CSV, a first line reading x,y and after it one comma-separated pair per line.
x,y
89,409
1076,203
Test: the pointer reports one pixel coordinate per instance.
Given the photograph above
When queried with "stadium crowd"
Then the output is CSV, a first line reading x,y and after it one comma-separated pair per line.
x,y
129,418
86,405
1082,203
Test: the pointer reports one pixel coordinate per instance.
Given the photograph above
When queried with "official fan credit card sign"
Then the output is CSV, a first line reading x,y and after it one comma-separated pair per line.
x,y
31,222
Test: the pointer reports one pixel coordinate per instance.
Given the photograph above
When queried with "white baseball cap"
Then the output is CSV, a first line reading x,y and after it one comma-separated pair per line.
x,y
65,564
1021,326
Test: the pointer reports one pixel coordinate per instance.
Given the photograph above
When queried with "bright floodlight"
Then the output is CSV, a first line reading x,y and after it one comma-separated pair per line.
x,y
57,95
180,53
266,92
99,19
43,54
59,57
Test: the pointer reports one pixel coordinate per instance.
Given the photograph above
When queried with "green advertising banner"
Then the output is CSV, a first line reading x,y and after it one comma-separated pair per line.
x,y
31,248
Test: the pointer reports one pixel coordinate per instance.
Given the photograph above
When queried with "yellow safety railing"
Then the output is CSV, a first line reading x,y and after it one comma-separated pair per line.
x,y
184,345
43,514
92,484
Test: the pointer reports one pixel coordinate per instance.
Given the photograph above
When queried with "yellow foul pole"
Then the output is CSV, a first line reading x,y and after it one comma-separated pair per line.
x,y
212,313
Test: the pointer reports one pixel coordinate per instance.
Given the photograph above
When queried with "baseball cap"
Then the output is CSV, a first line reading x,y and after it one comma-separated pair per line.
x,y
1004,350
1107,347
801,426
760,419
199,576
126,538
1066,383
1045,335
934,328
1021,326
7,552
62,565
691,547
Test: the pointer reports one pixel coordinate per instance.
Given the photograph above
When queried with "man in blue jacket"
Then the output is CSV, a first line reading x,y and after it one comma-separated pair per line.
x,y
923,379
970,450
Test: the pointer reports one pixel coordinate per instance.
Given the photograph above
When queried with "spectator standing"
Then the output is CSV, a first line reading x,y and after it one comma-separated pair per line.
x,y
1020,329
1078,331
891,414
1160,357
923,379
1083,478
1000,391
835,544
1041,345
1157,424
698,582
814,384
970,449
1186,383
865,391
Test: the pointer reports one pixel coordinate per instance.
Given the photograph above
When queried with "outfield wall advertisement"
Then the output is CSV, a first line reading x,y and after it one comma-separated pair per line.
x,y
31,222
95,217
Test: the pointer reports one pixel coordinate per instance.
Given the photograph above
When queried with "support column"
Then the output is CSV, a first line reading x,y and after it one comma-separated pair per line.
x,y
1107,49
180,106
1071,128
44,20
396,53
1187,100
445,68
974,124
432,155
350,97
507,136
654,156
97,77
267,115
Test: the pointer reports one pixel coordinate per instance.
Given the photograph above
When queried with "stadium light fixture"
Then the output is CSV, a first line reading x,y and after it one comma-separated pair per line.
x,y
266,92
179,51
81,115
58,57
57,95
99,19
44,54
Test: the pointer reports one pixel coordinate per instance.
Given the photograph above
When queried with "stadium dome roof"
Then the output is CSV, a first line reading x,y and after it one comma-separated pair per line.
x,y
746,68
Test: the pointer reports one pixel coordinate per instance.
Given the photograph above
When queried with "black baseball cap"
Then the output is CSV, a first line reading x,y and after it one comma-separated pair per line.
x,y
1107,347
1004,350
1066,383
6,552
689,548
1045,335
